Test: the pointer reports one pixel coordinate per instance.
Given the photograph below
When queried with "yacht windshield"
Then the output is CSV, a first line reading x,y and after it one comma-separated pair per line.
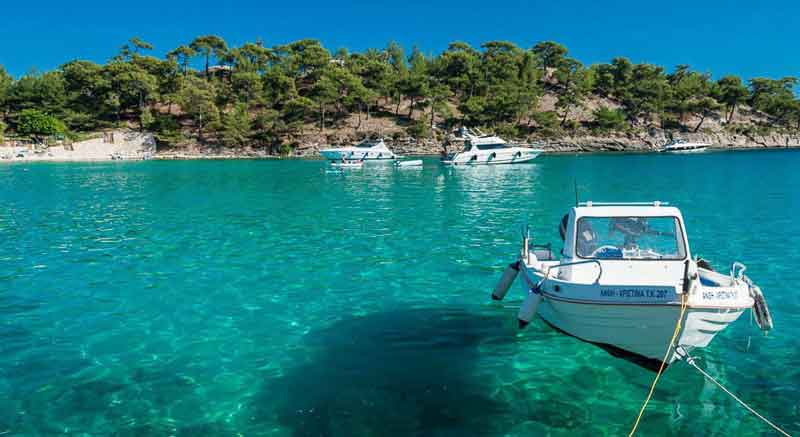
x,y
630,238
492,146
365,145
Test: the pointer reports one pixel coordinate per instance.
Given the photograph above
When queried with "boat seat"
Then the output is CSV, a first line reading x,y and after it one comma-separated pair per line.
x,y
543,254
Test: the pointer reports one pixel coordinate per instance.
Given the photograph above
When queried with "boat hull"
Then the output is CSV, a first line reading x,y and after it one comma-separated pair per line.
x,y
336,155
346,165
637,322
640,333
699,149
496,161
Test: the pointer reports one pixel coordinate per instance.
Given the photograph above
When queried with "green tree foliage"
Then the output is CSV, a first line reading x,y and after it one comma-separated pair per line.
x,y
197,99
440,95
44,92
182,56
687,88
550,55
237,127
606,119
207,46
418,129
416,86
459,68
574,83
731,92
397,61
38,125
774,97
5,85
267,96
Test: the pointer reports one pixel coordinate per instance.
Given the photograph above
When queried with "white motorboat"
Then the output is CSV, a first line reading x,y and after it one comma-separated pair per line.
x,y
624,281
487,150
409,163
367,150
347,164
683,146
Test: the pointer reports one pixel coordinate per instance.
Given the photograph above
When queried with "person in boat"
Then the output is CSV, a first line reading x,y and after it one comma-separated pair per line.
x,y
631,228
587,238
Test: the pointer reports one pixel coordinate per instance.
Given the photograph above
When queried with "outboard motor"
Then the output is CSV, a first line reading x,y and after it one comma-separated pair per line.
x,y
509,275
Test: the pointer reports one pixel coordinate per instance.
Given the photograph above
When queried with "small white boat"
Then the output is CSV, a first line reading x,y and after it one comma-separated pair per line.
x,y
489,150
409,163
625,278
367,150
347,164
683,146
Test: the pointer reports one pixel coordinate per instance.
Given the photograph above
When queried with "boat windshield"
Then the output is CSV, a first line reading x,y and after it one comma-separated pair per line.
x,y
658,238
492,146
365,145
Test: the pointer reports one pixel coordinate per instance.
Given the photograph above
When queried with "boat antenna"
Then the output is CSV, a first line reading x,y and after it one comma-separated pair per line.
x,y
575,183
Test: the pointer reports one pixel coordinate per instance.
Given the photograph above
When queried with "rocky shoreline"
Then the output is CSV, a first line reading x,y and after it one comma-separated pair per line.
x,y
130,145
597,143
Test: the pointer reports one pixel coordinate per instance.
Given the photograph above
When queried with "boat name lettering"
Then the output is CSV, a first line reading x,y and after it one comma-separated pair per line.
x,y
657,293
720,294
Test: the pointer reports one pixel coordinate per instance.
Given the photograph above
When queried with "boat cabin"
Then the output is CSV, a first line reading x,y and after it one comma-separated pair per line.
x,y
619,243
488,142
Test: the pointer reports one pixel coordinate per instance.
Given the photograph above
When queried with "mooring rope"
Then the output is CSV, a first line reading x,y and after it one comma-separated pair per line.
x,y
688,358
684,300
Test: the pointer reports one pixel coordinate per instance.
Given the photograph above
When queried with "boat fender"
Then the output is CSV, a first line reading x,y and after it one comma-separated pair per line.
x,y
528,308
509,275
562,227
687,277
704,264
760,309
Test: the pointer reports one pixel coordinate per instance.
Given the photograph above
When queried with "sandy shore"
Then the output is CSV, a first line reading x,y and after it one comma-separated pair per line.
x,y
117,145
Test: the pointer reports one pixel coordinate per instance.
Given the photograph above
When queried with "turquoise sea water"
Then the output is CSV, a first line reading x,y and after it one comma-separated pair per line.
x,y
278,298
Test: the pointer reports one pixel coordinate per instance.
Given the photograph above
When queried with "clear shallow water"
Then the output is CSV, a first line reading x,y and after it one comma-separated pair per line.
x,y
278,298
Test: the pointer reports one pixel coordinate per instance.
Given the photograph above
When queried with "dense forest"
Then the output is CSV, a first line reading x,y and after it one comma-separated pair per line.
x,y
209,93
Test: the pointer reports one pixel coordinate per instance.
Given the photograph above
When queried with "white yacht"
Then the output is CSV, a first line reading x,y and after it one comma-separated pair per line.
x,y
489,149
626,282
683,146
367,150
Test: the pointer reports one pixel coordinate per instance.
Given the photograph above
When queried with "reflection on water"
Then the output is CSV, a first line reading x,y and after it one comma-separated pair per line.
x,y
280,298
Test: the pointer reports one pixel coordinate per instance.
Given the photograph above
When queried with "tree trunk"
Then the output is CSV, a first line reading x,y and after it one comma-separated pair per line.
x,y
433,114
411,108
702,119
322,119
731,113
208,55
399,100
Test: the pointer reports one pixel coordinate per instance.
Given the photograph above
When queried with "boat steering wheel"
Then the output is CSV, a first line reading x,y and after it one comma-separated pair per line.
x,y
606,251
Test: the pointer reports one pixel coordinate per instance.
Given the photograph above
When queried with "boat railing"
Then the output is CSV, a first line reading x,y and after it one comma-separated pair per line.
x,y
653,203
575,263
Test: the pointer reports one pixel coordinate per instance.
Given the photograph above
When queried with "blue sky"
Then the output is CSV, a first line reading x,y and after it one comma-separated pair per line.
x,y
752,39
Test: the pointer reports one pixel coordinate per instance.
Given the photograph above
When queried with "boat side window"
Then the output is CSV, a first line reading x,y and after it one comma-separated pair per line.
x,y
492,146
658,238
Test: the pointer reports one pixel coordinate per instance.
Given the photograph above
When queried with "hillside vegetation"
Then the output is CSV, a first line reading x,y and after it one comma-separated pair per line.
x,y
277,98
